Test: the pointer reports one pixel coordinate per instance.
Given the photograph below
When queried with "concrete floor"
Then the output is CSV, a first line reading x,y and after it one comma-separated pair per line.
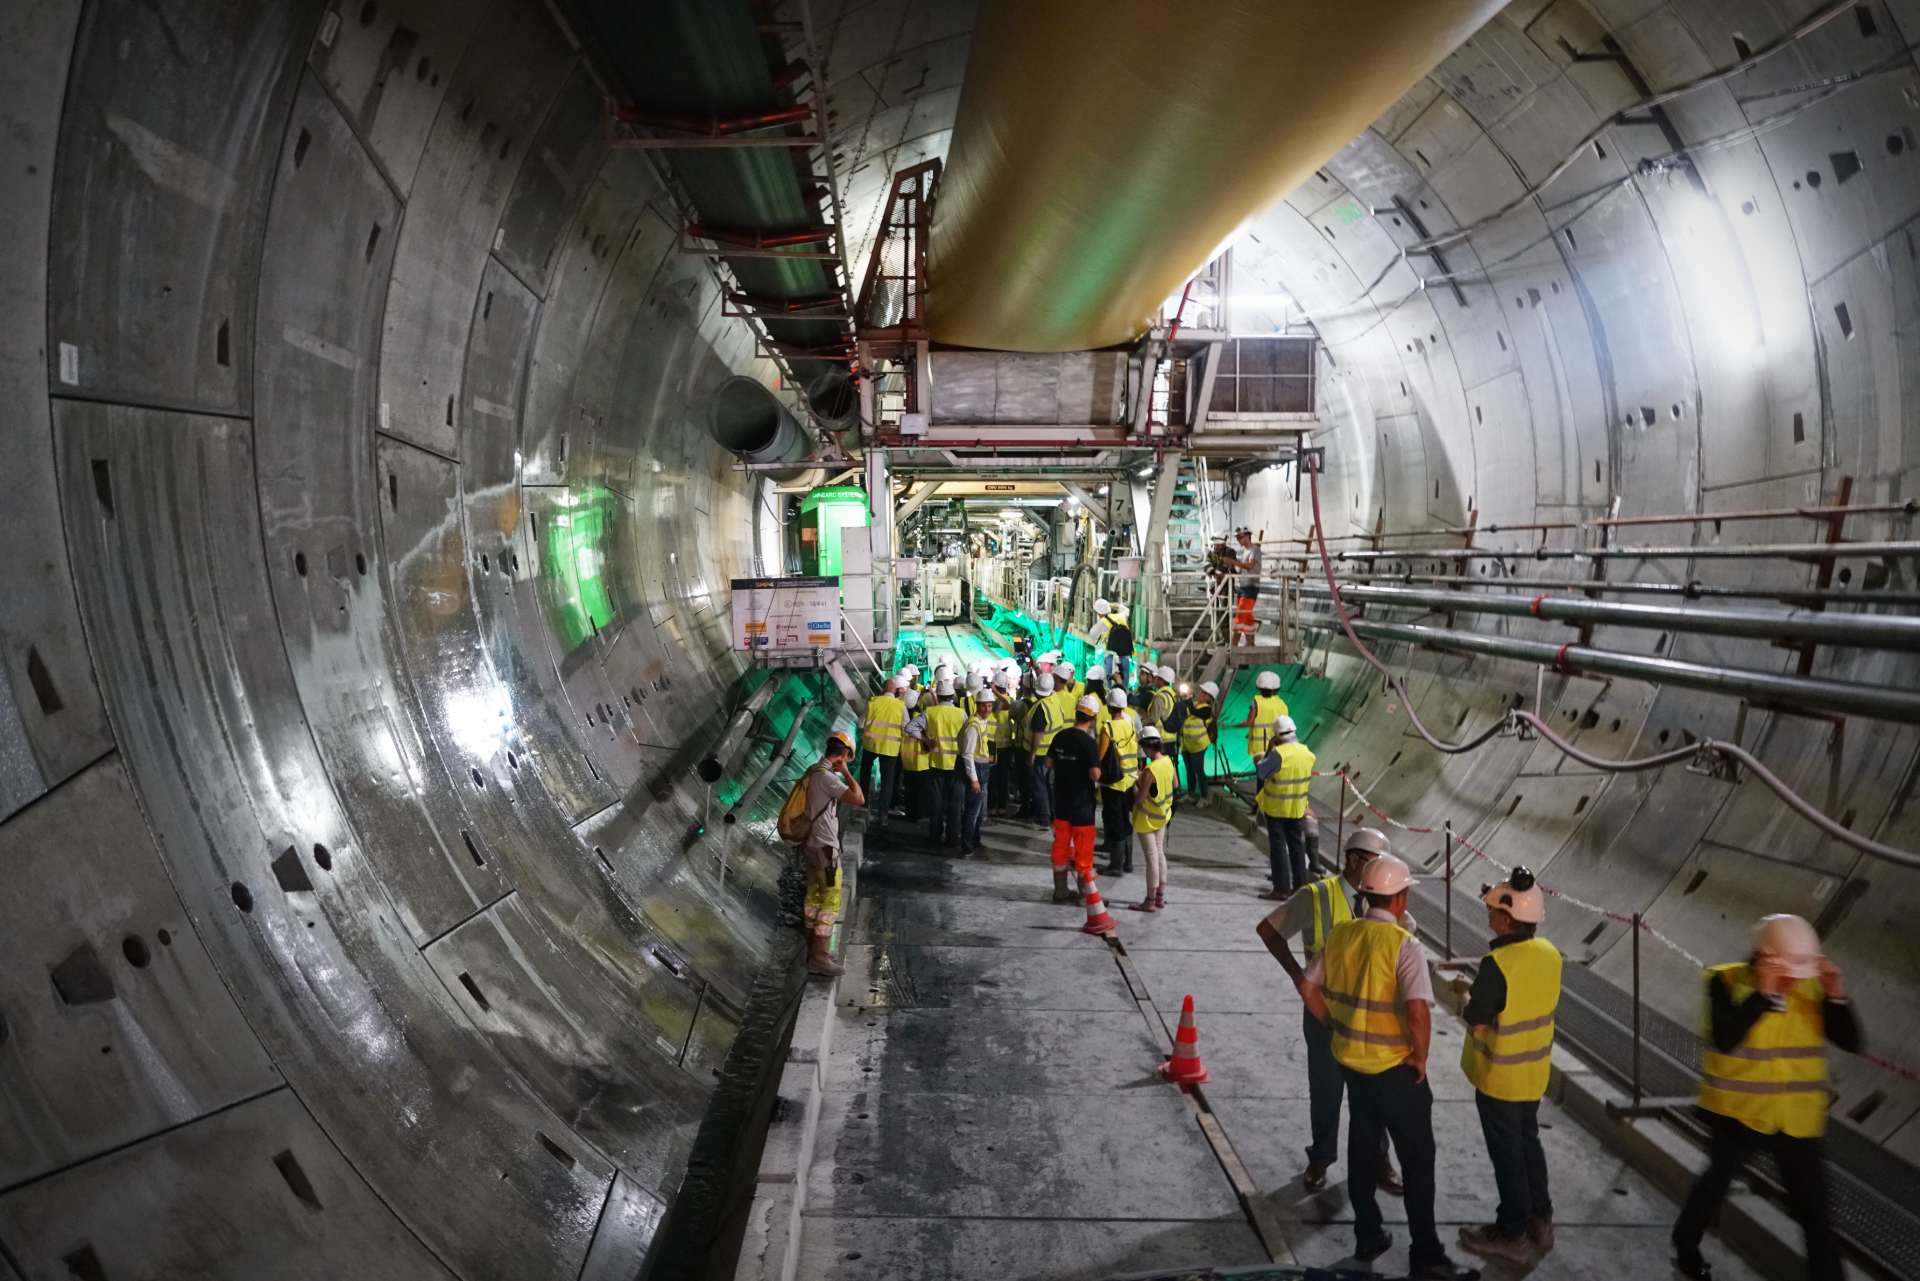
x,y
992,1108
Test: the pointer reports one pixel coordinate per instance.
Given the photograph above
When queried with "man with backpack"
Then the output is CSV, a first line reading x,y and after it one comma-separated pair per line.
x,y
810,820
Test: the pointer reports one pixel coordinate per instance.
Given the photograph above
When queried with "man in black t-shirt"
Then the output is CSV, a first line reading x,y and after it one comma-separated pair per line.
x,y
1076,779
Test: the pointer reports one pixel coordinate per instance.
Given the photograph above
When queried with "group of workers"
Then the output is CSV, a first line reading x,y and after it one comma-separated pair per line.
x,y
1367,994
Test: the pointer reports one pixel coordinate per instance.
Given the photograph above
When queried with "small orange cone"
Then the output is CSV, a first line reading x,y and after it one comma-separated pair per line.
x,y
1185,1067
1099,920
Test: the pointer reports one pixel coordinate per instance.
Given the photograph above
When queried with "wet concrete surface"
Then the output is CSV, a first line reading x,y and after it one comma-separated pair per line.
x,y
992,1108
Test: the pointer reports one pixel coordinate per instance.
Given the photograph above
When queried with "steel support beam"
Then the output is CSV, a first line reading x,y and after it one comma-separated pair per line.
x,y
1152,587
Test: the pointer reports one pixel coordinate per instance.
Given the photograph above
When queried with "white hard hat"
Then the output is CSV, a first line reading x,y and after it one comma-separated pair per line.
x,y
985,696
1789,940
974,682
1102,605
943,672
1267,680
1384,875
1096,673
1166,674
1064,665
1150,733
1088,706
896,682
1044,662
1002,681
909,671
1043,683
1284,729
1209,689
1519,896
945,688
1368,840
1116,697
913,698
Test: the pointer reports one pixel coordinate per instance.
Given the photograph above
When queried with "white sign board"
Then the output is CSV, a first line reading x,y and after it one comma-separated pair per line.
x,y
774,615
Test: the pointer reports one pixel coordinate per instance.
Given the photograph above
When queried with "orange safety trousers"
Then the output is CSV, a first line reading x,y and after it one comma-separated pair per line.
x,y
1243,616
1075,845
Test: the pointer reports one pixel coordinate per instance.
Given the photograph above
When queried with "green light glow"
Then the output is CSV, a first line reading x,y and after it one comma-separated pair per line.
x,y
573,561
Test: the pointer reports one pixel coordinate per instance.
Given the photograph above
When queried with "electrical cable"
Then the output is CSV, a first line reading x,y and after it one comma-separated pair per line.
x,y
1705,749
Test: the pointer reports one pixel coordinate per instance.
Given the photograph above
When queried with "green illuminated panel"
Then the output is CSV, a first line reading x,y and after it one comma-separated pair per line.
x,y
573,559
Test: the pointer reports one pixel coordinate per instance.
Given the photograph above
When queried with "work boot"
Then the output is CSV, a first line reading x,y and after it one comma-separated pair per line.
x,y
1061,894
1688,1263
1113,869
1540,1232
1491,1241
1443,1269
820,965
1315,1178
1368,1251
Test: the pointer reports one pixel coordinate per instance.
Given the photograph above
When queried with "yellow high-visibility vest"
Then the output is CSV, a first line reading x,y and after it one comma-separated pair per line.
x,y
983,741
1194,735
1126,746
1044,719
913,757
1159,708
1775,1081
1151,814
1000,731
1267,711
1363,995
1066,706
1283,794
1513,1058
1330,908
944,723
886,718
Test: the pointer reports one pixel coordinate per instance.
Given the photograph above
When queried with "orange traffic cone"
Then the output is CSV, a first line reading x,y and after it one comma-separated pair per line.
x,y
1099,920
1185,1067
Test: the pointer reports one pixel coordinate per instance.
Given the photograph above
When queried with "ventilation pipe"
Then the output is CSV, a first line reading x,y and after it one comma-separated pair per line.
x,y
749,420
832,399
1162,135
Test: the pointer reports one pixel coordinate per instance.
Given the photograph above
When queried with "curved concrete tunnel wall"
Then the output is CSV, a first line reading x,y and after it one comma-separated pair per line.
x,y
1740,343
365,593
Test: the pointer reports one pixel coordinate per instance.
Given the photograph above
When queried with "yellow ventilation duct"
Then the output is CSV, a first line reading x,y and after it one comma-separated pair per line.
x,y
1106,149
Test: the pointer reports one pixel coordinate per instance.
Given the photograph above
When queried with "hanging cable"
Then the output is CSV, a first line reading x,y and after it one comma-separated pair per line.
x,y
1705,749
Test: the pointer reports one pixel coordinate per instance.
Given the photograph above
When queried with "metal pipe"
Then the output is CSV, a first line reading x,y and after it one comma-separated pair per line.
x,y
1691,590
1713,551
1579,660
749,420
731,739
1449,934
1907,508
1636,1009
779,758
1880,631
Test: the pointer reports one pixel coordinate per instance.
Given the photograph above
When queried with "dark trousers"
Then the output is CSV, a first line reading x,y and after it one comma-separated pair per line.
x,y
1801,1166
1042,776
973,808
913,785
1196,772
1116,813
880,799
943,805
1020,780
1512,1132
1393,1102
1326,1086
1287,852
1000,789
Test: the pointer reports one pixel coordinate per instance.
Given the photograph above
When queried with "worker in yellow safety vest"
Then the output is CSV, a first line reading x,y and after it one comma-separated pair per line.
x,y
945,720
1508,1057
1159,713
1066,688
915,761
1371,987
1198,716
880,742
1763,1082
1000,736
1284,773
1152,806
1119,747
1263,713
1312,915
1043,722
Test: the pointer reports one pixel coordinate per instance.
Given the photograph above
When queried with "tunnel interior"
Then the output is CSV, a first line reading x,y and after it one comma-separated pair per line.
x,y
374,487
